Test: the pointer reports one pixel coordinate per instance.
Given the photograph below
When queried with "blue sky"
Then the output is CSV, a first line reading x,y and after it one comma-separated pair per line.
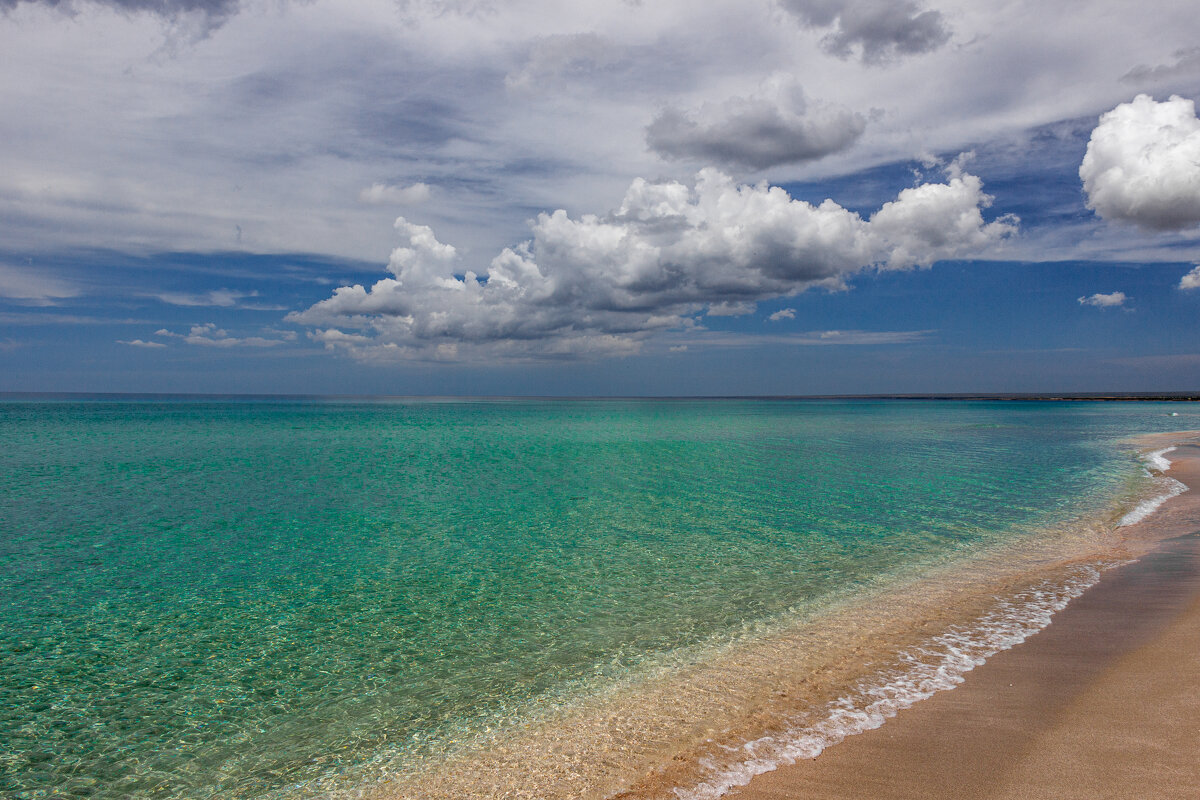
x,y
775,197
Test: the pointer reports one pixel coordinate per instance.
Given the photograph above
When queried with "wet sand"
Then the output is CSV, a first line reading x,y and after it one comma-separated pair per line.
x,y
1105,702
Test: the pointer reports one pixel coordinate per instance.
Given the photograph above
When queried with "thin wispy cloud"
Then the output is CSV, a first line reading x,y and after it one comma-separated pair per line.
x,y
219,298
382,194
40,318
209,334
828,338
190,19
561,57
33,286
1186,64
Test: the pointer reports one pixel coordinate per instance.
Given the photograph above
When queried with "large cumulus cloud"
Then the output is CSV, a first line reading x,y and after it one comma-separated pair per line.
x,y
600,285
1143,164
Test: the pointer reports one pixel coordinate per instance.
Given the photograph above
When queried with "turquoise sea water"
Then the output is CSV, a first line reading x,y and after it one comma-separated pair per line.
x,y
236,599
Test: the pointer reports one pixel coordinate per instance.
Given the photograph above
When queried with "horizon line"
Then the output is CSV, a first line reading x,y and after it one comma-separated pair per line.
x,y
1172,396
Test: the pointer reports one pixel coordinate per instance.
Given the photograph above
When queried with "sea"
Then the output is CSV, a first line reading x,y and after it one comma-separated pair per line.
x,y
276,598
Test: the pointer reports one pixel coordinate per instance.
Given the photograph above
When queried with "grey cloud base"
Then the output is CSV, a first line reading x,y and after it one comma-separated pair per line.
x,y
876,29
755,133
601,286
211,12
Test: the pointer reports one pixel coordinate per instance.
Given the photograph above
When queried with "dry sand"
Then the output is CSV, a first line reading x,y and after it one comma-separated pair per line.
x,y
1104,703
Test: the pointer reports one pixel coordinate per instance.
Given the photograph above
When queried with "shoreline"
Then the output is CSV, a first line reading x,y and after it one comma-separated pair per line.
x,y
1102,702
674,732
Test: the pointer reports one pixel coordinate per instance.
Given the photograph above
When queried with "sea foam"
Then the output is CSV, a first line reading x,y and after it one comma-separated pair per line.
x,y
1156,460
935,666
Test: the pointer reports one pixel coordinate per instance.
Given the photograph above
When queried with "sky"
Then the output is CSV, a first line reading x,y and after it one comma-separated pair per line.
x,y
617,197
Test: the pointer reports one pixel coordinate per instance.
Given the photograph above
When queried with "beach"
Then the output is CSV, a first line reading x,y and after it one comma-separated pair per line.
x,y
1102,703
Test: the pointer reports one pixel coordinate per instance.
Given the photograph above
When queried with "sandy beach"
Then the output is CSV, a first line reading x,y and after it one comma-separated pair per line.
x,y
1102,703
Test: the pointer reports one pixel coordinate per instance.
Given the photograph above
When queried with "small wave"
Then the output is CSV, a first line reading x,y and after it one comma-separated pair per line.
x,y
1157,459
1172,488
1147,507
938,665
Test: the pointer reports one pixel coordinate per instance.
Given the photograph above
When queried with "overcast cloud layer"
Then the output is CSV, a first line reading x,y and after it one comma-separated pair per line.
x,y
272,132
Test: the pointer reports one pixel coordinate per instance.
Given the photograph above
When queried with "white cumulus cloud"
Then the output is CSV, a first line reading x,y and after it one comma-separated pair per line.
x,y
783,313
1098,300
600,285
1191,280
1143,164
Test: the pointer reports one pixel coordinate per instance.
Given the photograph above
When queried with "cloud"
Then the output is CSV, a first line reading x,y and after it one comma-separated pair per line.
x,y
416,9
1191,280
140,343
783,313
1187,62
221,298
1104,300
378,194
877,30
707,338
755,132
552,58
857,337
198,16
172,154
22,318
726,308
1143,164
222,8
599,286
29,285
209,335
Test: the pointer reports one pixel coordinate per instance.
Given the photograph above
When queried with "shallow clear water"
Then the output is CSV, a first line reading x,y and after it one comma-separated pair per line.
x,y
229,598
